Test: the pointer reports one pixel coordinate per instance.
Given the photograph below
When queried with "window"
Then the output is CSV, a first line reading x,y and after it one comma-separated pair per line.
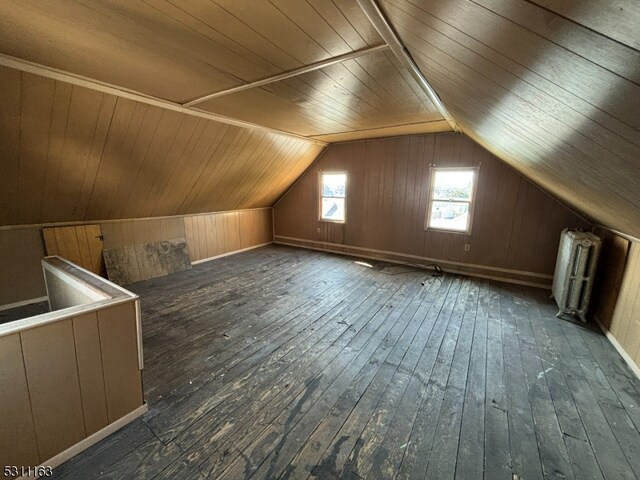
x,y
333,188
451,199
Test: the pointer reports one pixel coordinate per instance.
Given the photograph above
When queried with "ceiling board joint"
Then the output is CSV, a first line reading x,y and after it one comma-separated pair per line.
x,y
73,79
379,20
291,73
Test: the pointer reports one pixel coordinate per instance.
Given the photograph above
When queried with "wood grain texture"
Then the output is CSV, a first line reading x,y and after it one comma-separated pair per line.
x,y
372,91
616,20
122,379
81,244
84,155
89,357
133,263
609,275
219,233
56,400
618,302
554,98
516,225
22,248
181,52
344,371
18,444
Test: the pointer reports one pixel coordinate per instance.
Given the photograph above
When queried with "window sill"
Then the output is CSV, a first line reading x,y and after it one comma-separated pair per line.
x,y
326,220
444,230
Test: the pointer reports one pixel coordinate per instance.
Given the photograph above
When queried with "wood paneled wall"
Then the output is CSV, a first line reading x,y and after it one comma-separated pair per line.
x,y
65,381
552,87
207,236
611,269
68,153
217,234
516,225
21,278
139,231
616,296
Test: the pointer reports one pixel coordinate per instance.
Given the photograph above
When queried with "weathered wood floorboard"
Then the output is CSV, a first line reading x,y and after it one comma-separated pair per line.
x,y
285,363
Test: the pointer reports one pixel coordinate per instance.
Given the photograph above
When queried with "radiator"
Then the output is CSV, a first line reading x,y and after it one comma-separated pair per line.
x,y
575,269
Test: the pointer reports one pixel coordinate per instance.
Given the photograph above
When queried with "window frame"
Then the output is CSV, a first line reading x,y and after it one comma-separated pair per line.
x,y
471,201
321,196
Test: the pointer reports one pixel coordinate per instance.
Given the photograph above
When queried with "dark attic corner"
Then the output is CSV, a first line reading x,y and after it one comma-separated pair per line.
x,y
332,239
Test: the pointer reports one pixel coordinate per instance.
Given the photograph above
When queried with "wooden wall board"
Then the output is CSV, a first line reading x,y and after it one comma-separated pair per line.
x,y
84,155
625,326
516,225
122,379
58,418
530,95
91,378
610,273
372,91
15,405
22,248
132,263
616,296
21,275
81,244
186,51
220,233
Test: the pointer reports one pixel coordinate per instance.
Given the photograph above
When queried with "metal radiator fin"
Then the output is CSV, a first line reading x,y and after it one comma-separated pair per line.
x,y
575,269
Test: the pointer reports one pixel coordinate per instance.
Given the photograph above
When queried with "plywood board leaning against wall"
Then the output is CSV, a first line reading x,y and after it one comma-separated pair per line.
x,y
134,263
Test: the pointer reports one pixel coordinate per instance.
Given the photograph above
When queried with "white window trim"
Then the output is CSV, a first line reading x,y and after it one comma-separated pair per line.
x,y
471,202
321,196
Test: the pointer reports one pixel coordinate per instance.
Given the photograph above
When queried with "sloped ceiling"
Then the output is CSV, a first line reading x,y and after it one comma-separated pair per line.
x,y
70,153
550,87
183,52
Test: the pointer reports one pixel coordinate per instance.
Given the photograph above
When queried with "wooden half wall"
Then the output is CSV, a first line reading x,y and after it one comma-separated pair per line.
x,y
208,235
516,225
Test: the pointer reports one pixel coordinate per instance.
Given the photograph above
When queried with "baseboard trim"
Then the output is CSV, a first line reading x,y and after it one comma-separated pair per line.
x,y
22,303
634,367
233,252
490,273
94,438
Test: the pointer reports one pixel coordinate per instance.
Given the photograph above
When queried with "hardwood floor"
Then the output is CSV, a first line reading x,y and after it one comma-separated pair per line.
x,y
286,363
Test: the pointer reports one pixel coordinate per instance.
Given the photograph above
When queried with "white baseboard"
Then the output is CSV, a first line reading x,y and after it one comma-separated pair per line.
x,y
230,253
634,367
94,438
9,306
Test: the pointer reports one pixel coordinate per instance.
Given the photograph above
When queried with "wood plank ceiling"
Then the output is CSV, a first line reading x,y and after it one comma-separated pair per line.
x,y
550,87
70,153
182,52
103,102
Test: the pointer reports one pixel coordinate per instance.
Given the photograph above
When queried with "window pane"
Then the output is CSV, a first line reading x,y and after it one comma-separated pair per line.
x,y
449,216
333,209
453,184
334,184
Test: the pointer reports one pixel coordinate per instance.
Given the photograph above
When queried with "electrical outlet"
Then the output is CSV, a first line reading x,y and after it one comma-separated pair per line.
x,y
467,247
